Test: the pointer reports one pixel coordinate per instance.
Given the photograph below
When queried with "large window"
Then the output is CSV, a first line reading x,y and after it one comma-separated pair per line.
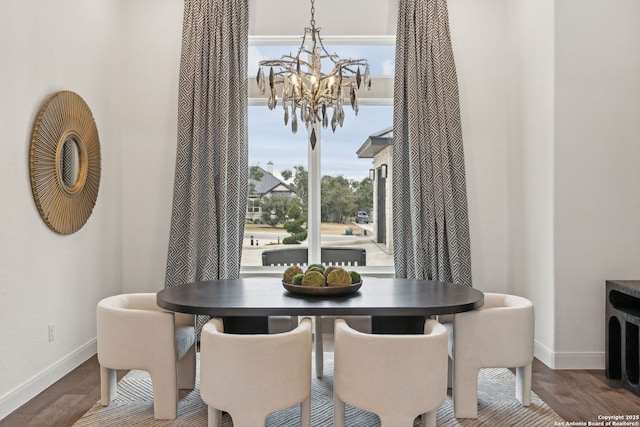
x,y
351,209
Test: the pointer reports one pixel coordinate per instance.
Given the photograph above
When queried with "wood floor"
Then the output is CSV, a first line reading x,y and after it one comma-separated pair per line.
x,y
574,395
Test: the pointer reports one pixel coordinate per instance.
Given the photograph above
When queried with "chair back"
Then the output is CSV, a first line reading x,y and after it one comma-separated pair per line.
x,y
286,257
258,373
398,377
503,328
350,257
128,325
329,256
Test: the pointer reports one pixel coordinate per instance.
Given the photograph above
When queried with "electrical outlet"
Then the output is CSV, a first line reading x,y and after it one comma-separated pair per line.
x,y
52,335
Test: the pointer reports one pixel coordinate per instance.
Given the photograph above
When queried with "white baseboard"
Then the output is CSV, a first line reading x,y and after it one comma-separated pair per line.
x,y
39,382
569,360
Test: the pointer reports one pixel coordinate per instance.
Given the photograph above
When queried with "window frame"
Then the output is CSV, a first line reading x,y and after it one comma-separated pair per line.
x,y
380,95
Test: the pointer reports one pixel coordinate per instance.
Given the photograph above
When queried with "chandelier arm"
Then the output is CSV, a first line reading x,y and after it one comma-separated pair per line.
x,y
348,68
334,55
324,49
284,63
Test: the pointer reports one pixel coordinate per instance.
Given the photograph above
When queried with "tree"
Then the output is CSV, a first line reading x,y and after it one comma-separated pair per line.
x,y
255,175
363,194
301,184
286,174
275,208
294,225
337,199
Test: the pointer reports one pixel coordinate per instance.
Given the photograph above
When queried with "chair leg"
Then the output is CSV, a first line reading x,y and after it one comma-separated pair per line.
x,y
429,418
523,384
187,370
247,419
338,411
319,347
396,420
449,372
214,417
165,395
465,391
305,412
108,385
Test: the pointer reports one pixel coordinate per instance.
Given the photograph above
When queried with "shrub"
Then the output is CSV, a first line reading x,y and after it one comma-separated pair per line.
x,y
295,239
291,240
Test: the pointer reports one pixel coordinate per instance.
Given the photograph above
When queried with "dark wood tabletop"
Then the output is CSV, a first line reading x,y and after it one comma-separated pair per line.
x,y
267,297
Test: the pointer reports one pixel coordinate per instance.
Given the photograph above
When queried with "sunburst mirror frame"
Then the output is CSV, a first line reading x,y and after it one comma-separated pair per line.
x,y
65,205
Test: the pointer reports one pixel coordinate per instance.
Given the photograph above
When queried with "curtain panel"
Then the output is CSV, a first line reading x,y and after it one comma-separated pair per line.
x,y
211,176
431,226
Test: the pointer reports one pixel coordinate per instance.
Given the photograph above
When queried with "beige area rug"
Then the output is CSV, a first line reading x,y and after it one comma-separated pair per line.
x,y
497,406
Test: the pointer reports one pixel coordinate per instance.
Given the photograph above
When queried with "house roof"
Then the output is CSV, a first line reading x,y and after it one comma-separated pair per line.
x,y
268,183
376,143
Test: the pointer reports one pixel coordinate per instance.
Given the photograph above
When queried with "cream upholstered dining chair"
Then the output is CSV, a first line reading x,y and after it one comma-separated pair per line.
x,y
134,333
397,377
251,375
498,335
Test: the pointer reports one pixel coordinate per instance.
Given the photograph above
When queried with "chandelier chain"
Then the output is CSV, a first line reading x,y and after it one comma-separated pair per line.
x,y
313,12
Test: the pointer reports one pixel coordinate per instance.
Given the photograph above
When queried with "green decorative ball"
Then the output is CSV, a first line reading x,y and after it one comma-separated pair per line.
x,y
313,279
297,279
339,277
318,266
355,277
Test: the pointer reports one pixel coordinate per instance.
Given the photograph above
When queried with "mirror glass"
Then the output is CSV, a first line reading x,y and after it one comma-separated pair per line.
x,y
70,162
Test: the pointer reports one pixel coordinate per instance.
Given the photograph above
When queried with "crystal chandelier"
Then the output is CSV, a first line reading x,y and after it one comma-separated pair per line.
x,y
306,90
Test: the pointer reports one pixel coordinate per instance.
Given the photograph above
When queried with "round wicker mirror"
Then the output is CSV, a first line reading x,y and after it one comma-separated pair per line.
x,y
65,162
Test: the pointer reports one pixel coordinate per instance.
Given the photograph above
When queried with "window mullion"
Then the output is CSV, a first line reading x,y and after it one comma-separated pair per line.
x,y
313,215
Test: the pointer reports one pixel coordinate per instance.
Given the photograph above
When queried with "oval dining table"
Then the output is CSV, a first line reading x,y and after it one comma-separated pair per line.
x,y
396,305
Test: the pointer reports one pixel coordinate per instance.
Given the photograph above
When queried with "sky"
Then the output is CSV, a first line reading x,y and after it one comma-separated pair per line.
x,y
271,140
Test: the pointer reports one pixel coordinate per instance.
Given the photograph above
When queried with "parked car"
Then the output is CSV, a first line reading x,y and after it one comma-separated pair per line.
x,y
362,217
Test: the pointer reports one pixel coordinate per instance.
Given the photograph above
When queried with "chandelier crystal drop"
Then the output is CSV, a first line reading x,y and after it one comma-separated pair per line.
x,y
306,91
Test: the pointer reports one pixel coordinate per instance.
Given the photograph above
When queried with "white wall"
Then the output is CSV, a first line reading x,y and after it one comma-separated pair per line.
x,y
47,278
573,155
355,17
479,37
597,152
530,167
150,65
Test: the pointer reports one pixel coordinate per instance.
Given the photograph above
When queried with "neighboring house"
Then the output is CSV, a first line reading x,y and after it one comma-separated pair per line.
x,y
267,186
378,147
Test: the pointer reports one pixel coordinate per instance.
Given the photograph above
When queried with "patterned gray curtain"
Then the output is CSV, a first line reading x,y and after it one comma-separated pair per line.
x,y
210,189
431,225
